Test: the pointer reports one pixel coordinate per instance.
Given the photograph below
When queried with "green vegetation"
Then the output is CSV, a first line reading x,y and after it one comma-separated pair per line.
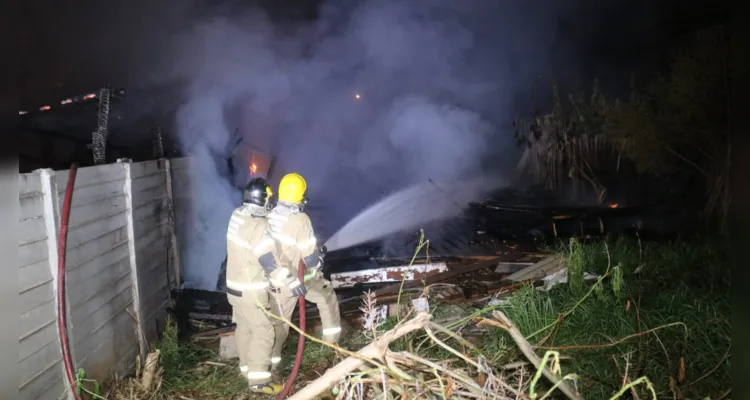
x,y
675,126
669,322
656,321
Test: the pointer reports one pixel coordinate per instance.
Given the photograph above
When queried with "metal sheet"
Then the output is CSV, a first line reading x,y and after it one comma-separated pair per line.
x,y
386,274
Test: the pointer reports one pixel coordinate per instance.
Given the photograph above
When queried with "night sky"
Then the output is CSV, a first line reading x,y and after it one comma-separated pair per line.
x,y
77,49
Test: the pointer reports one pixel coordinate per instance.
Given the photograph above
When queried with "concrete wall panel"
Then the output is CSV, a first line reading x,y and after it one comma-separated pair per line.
x,y
153,244
119,268
39,355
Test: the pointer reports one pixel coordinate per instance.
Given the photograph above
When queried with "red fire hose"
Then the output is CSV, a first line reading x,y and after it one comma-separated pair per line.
x,y
300,342
62,320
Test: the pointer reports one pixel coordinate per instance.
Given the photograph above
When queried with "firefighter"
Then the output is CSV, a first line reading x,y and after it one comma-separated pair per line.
x,y
249,259
295,240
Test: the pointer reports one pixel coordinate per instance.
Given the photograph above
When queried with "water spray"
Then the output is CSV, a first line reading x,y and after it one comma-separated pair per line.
x,y
407,209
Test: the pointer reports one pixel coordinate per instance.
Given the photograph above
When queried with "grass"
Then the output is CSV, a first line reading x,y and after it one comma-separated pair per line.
x,y
662,313
187,373
680,293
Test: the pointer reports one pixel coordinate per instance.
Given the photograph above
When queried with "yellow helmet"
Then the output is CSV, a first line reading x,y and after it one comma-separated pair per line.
x,y
292,188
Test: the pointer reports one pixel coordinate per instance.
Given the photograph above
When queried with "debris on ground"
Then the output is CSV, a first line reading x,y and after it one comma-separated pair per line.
x,y
490,330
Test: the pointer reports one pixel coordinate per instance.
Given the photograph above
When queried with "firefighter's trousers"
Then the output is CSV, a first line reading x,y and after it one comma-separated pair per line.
x,y
320,292
254,334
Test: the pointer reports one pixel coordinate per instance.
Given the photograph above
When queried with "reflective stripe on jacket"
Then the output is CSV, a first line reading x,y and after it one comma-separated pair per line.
x,y
294,235
247,240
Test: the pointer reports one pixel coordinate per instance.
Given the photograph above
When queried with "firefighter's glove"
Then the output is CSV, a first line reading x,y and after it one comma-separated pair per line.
x,y
298,288
280,277
318,266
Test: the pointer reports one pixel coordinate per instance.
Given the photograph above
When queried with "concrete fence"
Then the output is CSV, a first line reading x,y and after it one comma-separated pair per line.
x,y
122,260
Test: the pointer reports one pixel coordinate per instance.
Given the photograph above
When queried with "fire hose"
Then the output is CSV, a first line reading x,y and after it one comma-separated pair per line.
x,y
62,321
300,342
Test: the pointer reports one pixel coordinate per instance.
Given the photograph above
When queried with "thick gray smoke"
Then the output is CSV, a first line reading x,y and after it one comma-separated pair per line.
x,y
371,98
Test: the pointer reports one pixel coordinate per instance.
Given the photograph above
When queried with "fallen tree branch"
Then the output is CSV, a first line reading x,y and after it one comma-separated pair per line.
x,y
405,357
528,351
374,350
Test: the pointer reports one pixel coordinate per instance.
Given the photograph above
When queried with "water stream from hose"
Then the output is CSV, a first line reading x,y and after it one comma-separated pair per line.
x,y
407,209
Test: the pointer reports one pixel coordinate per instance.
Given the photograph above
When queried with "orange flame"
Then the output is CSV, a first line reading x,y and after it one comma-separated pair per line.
x,y
615,205
45,108
253,168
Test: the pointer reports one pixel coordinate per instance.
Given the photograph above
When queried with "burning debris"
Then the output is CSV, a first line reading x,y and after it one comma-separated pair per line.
x,y
386,274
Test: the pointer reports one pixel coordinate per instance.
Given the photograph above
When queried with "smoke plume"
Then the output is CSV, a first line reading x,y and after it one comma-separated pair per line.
x,y
370,98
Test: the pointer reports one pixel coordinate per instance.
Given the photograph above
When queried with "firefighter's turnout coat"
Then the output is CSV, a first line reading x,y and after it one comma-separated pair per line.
x,y
249,256
295,240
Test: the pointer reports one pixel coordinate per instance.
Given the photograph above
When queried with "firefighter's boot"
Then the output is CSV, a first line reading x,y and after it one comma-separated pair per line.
x,y
267,388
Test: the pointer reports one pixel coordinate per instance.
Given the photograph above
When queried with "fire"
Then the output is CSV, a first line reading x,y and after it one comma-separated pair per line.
x,y
89,96
253,168
615,205
45,108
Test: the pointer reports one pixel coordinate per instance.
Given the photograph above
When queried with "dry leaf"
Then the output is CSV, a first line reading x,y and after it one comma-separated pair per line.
x,y
681,376
481,379
627,306
485,321
450,387
675,389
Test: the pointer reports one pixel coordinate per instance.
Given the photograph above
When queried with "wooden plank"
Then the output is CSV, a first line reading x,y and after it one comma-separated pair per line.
x,y
511,267
444,276
539,270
